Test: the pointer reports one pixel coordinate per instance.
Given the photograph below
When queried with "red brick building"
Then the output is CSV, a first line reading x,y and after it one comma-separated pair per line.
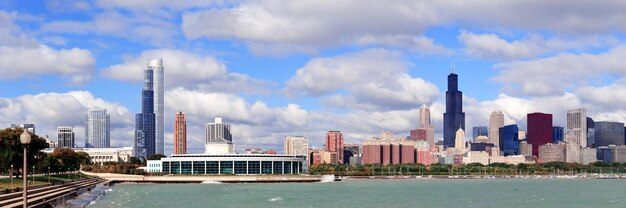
x,y
334,143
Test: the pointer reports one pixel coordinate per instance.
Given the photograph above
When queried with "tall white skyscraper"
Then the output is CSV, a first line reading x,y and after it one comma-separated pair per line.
x,y
459,141
577,126
157,66
218,139
65,136
496,121
97,128
424,123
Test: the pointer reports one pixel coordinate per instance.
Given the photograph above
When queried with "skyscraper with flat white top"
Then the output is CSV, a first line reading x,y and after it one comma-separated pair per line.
x,y
496,121
156,65
97,128
65,136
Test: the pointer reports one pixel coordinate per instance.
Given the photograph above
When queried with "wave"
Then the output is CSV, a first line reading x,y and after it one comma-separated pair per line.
x,y
327,179
211,182
275,199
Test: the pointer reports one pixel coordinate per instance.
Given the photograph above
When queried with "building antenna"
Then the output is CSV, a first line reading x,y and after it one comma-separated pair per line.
x,y
453,67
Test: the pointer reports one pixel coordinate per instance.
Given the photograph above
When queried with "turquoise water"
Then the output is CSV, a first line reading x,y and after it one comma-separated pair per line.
x,y
375,193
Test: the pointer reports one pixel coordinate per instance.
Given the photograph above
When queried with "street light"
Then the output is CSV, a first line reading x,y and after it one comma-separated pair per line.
x,y
48,175
11,176
25,139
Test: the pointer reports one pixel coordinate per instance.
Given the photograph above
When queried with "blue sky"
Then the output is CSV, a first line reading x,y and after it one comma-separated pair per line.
x,y
275,68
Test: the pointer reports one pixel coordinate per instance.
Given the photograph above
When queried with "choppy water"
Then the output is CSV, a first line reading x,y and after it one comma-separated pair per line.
x,y
375,193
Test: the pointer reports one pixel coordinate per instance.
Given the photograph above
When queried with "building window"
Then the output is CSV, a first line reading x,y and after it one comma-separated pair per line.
x,y
198,167
254,167
175,166
241,167
266,167
186,167
226,167
212,167
278,167
287,167
166,167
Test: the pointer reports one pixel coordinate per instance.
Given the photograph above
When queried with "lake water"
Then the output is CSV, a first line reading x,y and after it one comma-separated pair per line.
x,y
375,193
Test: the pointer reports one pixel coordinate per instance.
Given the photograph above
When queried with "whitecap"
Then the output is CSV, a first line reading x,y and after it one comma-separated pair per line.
x,y
275,199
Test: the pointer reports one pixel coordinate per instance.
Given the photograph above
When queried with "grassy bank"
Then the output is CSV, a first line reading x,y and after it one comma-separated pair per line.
x,y
5,183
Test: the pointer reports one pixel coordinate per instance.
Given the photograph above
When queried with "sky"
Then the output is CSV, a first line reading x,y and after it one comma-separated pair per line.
x,y
278,68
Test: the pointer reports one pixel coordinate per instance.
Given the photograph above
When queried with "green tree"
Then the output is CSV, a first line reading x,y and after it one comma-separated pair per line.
x,y
134,160
68,159
156,157
11,149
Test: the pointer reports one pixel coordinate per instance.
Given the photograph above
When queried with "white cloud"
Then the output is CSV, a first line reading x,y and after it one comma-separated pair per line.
x,y
491,46
49,110
306,26
557,74
421,43
137,27
372,79
184,69
17,62
152,5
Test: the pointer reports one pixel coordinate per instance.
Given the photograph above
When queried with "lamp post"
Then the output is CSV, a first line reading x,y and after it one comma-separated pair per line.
x,y
11,176
49,175
25,140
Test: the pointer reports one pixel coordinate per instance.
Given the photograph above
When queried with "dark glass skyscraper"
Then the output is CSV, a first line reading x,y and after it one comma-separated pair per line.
x,y
509,140
479,131
609,133
453,118
591,132
557,134
145,121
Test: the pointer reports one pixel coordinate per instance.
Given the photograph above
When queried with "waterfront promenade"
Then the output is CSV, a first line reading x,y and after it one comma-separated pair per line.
x,y
48,194
122,178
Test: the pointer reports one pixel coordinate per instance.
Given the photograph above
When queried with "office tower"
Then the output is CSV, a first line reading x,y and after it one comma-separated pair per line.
x,y
577,125
97,128
334,144
65,137
29,127
453,118
591,132
145,121
424,124
218,131
351,151
509,140
296,145
479,131
496,121
180,134
459,140
539,130
156,65
609,133
558,134
218,138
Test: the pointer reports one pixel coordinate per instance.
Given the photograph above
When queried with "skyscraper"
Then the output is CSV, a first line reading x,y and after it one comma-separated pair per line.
x,y
334,144
65,136
145,121
609,133
479,131
218,138
453,118
509,140
459,141
591,132
558,134
156,65
539,130
29,127
577,125
496,121
180,134
97,128
424,124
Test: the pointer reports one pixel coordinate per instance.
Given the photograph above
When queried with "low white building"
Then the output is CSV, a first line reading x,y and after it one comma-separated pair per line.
x,y
102,155
221,147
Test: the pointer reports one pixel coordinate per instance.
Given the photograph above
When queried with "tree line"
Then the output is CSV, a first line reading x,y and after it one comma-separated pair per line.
x,y
467,169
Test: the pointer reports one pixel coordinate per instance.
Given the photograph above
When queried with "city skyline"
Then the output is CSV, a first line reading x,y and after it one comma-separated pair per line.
x,y
356,75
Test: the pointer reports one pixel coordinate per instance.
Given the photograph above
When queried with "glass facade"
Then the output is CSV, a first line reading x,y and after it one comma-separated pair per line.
x,y
479,131
226,167
199,167
212,167
240,164
609,133
454,117
557,134
509,141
